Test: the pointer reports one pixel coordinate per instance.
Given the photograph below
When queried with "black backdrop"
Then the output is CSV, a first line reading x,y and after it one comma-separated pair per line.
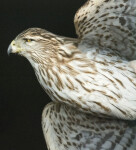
x,y
21,97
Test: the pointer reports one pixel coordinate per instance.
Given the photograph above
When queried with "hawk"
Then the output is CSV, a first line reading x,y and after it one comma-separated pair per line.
x,y
90,79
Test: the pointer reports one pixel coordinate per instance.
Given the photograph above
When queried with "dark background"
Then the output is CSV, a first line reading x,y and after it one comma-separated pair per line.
x,y
21,97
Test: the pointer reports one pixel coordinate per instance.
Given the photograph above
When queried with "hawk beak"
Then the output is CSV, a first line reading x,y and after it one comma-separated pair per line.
x,y
12,48
9,49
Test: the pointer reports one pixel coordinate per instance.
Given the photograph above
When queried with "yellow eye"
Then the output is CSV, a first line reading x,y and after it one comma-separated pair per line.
x,y
28,40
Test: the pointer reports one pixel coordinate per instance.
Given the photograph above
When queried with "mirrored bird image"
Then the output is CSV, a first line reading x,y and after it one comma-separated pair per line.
x,y
91,80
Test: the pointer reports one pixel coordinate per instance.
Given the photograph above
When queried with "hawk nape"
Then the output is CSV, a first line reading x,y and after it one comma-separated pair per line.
x,y
89,79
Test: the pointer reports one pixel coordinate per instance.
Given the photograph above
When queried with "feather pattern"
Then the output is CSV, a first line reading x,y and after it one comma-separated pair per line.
x,y
66,128
106,24
99,82
90,79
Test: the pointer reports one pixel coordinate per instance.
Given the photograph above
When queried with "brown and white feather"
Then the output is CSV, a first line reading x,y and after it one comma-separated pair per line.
x,y
108,24
89,79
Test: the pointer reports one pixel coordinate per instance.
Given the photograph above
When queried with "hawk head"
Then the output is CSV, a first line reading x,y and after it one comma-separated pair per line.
x,y
34,43
41,46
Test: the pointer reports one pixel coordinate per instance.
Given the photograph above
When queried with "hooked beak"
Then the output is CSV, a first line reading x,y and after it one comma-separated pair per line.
x,y
9,49
13,48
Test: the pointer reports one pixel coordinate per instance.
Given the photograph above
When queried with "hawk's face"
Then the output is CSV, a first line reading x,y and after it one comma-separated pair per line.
x,y
33,42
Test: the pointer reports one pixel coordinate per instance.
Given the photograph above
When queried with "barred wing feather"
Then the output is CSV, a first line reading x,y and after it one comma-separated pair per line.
x,y
68,129
108,24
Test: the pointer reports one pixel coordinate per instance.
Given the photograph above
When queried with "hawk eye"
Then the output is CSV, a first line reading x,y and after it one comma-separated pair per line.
x,y
28,40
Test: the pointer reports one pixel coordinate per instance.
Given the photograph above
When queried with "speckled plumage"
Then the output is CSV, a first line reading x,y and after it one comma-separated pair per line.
x,y
87,78
68,129
107,23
